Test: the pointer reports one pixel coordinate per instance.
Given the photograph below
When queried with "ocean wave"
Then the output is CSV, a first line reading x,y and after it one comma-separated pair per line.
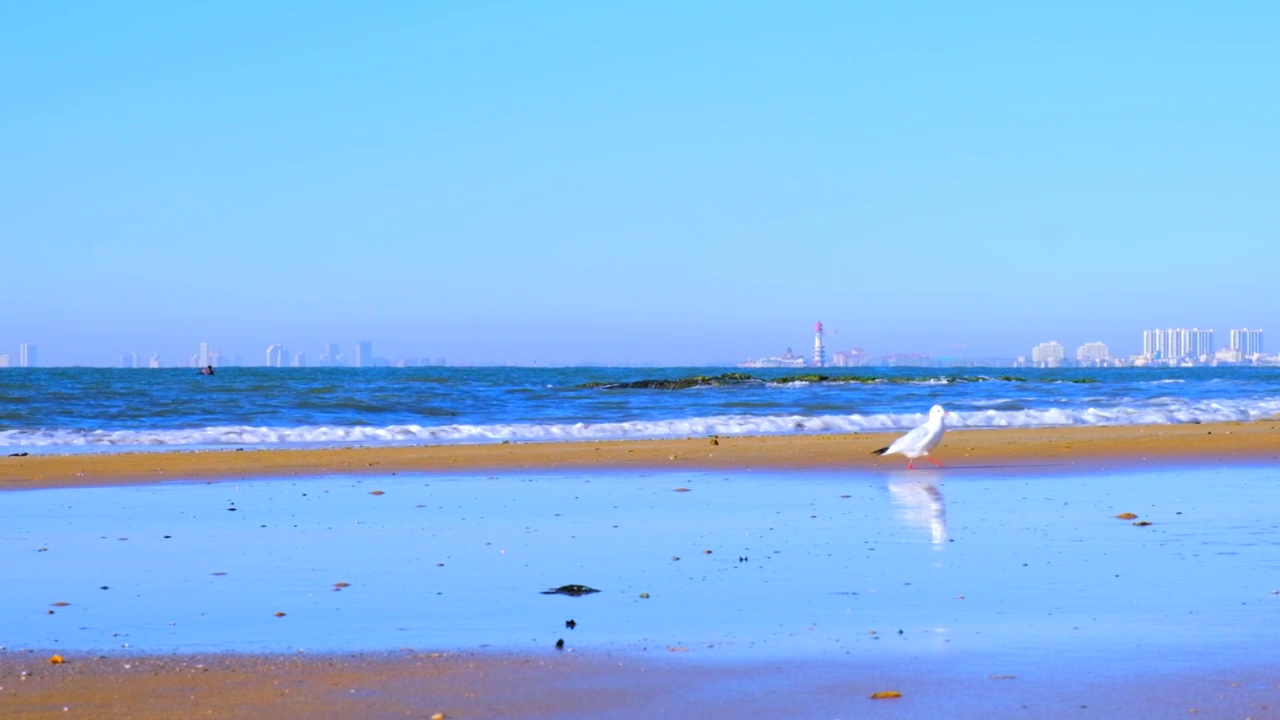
x,y
1164,412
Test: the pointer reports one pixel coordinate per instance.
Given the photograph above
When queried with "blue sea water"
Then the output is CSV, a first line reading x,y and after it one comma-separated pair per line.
x,y
64,410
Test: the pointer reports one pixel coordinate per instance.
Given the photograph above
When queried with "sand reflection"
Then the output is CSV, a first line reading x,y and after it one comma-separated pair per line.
x,y
919,503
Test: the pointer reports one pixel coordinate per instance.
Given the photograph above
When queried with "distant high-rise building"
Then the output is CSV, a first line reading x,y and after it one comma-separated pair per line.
x,y
1177,344
819,352
4,360
364,354
275,356
202,355
128,360
856,357
1152,344
332,356
1094,353
300,360
154,364
1246,342
1199,343
911,359
27,355
1048,354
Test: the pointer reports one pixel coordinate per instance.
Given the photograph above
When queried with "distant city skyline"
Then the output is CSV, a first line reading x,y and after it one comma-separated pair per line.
x,y
1150,346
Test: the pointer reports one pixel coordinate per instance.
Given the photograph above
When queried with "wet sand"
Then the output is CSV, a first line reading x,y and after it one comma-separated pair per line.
x,y
602,684
1067,448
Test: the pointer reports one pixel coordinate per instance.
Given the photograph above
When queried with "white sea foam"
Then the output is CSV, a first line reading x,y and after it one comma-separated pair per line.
x,y
1156,412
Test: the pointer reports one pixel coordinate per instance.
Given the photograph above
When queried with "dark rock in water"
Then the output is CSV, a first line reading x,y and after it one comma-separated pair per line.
x,y
570,624
573,590
675,383
803,379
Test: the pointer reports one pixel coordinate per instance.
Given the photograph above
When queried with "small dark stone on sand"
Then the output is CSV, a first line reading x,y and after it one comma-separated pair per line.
x,y
572,590
560,644
570,624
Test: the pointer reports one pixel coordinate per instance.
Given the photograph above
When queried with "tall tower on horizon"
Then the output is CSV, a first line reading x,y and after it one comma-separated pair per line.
x,y
27,355
819,352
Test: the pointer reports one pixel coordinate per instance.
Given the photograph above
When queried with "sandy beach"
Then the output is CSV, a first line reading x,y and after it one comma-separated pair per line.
x,y
602,686
1068,447
586,682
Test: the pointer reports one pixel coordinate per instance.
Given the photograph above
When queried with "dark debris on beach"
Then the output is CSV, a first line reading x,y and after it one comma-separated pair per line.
x,y
571,590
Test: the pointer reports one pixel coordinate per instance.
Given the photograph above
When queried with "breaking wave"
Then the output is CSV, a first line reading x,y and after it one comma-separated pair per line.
x,y
1163,412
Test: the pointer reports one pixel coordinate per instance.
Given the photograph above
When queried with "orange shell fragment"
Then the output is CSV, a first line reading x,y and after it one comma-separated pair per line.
x,y
1126,516
886,695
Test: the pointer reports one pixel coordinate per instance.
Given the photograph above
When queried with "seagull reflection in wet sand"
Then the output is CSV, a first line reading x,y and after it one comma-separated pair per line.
x,y
919,502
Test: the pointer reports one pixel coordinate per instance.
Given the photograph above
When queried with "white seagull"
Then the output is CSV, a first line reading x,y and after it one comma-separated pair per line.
x,y
919,441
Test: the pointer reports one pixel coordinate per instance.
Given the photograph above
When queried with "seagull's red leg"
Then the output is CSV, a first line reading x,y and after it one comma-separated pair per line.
x,y
935,462
910,466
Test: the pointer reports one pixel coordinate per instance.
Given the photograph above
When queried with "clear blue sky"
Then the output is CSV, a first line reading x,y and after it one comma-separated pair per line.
x,y
649,182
